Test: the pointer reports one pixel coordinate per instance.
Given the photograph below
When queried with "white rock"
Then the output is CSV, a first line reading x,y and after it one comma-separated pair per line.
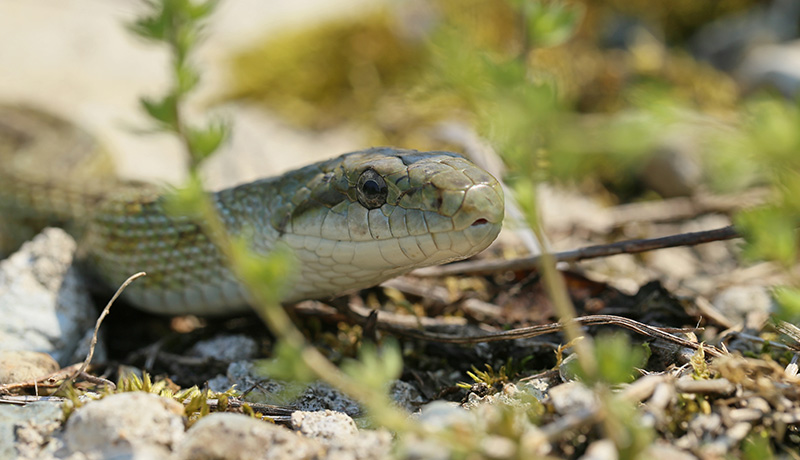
x,y
738,302
338,433
572,397
325,426
239,437
24,429
44,304
126,425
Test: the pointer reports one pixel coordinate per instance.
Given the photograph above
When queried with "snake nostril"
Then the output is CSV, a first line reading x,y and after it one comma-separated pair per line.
x,y
480,222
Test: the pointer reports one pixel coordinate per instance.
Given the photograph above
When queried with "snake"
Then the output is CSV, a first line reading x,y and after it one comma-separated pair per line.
x,y
349,222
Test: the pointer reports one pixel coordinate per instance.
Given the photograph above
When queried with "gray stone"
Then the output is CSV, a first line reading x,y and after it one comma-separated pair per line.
x,y
441,414
405,395
316,396
25,366
321,396
572,397
739,302
325,426
226,347
674,169
43,302
338,433
772,66
724,41
660,450
126,425
24,430
239,437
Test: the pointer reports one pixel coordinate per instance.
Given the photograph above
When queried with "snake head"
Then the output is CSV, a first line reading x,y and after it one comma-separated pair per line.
x,y
367,216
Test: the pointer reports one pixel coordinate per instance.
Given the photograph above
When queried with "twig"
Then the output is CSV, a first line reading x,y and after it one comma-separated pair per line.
x,y
790,330
48,381
590,252
663,333
100,319
535,331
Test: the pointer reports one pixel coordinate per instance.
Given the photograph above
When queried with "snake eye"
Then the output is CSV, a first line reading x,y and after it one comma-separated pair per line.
x,y
371,189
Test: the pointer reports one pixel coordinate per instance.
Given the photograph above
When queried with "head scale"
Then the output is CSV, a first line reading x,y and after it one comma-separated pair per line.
x,y
367,216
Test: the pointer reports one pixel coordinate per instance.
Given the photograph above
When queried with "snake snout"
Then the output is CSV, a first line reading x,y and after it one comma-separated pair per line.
x,y
480,221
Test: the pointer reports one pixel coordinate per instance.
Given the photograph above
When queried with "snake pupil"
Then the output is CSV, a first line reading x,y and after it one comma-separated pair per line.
x,y
371,189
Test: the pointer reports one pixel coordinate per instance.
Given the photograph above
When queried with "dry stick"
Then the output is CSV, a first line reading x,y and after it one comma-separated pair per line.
x,y
535,331
590,252
93,344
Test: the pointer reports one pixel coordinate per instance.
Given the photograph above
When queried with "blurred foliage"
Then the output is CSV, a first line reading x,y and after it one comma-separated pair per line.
x,y
396,73
179,24
617,360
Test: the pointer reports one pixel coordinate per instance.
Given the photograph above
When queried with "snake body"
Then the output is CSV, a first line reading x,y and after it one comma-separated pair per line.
x,y
351,222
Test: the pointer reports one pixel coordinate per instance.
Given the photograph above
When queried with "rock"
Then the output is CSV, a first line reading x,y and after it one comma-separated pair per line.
x,y
740,302
405,395
24,430
772,66
603,449
325,426
321,396
44,304
572,397
313,397
660,450
24,366
338,433
226,347
537,387
674,169
126,425
442,414
724,41
239,437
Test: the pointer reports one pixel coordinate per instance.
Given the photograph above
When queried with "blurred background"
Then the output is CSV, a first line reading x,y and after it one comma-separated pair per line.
x,y
589,105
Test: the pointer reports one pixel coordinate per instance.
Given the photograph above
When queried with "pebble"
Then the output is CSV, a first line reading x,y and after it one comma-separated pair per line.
x,y
405,395
126,425
25,429
338,433
739,302
226,347
665,451
603,449
44,304
25,366
325,426
313,397
239,437
572,397
442,414
674,169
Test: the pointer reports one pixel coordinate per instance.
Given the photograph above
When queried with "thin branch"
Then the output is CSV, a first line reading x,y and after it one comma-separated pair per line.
x,y
93,344
535,331
590,252
664,333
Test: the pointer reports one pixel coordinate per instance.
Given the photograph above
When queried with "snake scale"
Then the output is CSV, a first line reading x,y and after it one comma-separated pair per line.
x,y
351,222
